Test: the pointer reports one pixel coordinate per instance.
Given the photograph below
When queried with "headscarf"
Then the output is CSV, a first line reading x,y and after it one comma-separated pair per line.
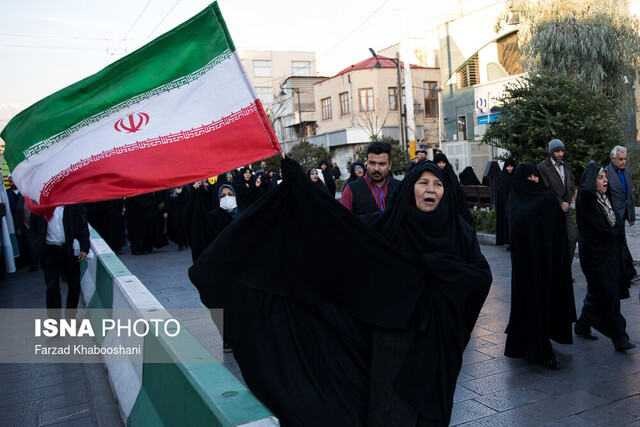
x,y
353,176
468,177
448,169
414,231
319,182
235,212
506,178
602,246
524,187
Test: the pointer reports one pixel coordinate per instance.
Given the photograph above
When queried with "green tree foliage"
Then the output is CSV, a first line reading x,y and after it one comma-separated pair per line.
x,y
309,155
594,39
633,164
399,157
539,108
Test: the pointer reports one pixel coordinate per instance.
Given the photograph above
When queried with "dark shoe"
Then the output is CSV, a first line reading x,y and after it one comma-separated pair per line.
x,y
627,345
635,278
585,333
227,348
552,363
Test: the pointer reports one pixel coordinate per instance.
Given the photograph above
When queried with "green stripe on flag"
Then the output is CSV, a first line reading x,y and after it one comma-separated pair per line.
x,y
177,53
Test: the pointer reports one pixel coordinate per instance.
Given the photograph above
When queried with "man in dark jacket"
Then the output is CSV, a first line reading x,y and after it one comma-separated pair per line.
x,y
620,186
556,173
370,193
622,198
54,239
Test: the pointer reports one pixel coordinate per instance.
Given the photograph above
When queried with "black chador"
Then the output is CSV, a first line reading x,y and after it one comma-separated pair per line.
x,y
504,188
542,304
304,343
603,257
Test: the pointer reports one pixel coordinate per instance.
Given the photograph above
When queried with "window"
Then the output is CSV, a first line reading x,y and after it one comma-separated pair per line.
x,y
265,94
393,98
326,108
366,99
344,104
261,68
468,74
430,99
300,68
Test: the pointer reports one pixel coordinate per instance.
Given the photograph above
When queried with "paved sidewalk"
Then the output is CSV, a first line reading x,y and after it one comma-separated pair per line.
x,y
597,386
51,394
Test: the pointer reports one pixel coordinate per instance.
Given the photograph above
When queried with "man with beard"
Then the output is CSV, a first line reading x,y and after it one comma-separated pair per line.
x,y
556,173
370,193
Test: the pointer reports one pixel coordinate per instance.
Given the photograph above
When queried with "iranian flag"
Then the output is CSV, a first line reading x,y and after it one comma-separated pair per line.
x,y
177,110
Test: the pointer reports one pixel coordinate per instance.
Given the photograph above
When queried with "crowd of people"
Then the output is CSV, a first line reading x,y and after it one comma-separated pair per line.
x,y
387,337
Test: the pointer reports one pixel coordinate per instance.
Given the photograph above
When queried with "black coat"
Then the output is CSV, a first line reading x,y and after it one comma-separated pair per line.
x,y
542,303
195,219
107,219
74,221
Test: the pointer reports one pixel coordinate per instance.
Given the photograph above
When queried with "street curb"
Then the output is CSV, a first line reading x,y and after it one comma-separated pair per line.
x,y
172,393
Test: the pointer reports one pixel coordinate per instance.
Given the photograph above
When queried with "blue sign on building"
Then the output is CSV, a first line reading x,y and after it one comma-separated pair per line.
x,y
483,120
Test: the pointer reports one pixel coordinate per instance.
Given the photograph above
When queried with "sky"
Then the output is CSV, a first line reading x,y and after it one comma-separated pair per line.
x,y
46,45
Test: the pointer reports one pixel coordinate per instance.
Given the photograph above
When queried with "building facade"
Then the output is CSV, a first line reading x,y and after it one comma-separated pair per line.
x,y
268,69
360,103
473,64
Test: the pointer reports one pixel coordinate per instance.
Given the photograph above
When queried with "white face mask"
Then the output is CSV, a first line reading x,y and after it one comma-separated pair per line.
x,y
228,203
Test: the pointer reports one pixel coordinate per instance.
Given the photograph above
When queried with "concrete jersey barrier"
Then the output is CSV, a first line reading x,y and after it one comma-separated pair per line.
x,y
178,392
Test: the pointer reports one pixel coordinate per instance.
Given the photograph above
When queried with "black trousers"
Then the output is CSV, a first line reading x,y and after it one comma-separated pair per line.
x,y
56,261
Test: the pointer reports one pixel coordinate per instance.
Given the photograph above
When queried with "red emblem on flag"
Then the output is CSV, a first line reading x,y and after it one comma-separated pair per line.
x,y
132,123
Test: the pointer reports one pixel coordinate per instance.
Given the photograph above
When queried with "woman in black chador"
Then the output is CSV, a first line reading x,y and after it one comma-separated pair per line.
x,y
504,188
468,177
601,254
542,304
441,160
247,189
318,352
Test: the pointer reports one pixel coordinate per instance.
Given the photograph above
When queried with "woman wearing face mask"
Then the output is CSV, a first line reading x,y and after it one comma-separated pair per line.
x,y
601,248
542,303
225,213
219,219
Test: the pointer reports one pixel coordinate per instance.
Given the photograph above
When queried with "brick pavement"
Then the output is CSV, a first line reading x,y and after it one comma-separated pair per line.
x,y
61,394
597,386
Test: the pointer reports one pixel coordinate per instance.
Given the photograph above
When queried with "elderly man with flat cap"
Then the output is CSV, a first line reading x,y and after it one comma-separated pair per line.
x,y
556,173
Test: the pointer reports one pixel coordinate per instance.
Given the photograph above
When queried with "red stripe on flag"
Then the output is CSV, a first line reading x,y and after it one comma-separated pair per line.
x,y
164,165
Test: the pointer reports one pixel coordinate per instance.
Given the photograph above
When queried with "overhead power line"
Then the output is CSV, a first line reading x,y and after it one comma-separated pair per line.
x,y
131,28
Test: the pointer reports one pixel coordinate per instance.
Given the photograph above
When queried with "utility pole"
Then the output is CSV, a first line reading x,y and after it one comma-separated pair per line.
x,y
408,83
